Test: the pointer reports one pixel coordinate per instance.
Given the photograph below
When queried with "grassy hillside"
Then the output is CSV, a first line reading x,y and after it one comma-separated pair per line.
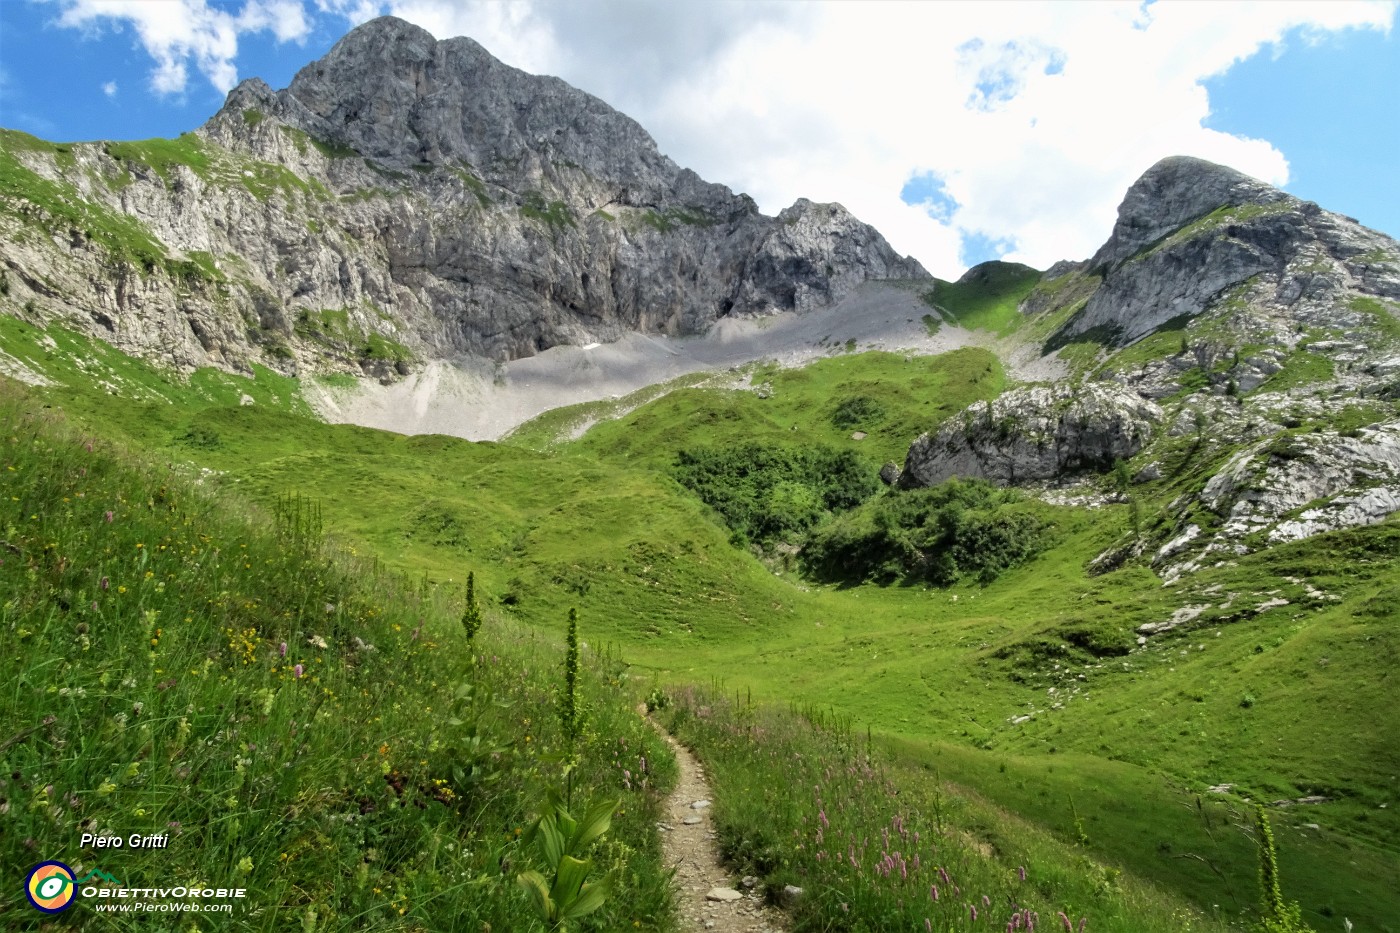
x,y
890,398
1134,736
297,722
986,298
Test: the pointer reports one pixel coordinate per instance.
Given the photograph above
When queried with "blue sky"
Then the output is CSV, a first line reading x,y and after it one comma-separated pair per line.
x,y
963,132
1331,104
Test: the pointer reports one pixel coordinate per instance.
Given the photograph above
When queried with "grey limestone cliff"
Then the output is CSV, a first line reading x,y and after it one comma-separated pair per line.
x,y
405,199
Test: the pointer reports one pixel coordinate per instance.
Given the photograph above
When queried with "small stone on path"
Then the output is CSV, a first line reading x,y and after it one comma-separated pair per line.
x,y
699,805
723,895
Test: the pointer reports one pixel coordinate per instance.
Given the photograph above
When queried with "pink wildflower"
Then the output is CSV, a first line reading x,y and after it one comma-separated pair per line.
x,y
298,670
108,515
282,650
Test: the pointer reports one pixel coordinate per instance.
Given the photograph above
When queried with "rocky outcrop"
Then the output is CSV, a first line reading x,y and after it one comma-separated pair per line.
x,y
405,199
1034,435
1289,487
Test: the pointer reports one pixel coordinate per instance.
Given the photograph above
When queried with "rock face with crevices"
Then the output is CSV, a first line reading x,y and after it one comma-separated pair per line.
x,y
405,199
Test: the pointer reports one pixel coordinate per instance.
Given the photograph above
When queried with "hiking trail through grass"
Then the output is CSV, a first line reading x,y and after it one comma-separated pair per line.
x,y
706,897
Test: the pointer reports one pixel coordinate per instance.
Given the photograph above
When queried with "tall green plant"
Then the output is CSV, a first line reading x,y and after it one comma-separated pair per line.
x,y
471,615
568,701
1279,916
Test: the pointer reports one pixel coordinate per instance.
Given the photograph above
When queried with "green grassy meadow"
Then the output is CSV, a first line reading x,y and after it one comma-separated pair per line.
x,y
1102,786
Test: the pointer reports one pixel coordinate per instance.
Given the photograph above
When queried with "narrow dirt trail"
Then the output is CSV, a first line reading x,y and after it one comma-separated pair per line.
x,y
707,897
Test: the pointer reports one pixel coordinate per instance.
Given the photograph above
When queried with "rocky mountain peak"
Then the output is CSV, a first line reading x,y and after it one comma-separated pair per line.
x,y
1173,193
393,93
406,200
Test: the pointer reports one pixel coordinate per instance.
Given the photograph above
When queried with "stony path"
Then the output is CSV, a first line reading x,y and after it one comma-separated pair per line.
x,y
707,897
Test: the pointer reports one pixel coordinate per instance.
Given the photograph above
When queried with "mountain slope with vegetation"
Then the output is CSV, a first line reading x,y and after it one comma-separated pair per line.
x,y
1073,643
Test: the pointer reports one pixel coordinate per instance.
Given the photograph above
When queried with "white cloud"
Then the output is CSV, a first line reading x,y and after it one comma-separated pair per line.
x,y
1037,116
110,88
177,32
286,18
356,11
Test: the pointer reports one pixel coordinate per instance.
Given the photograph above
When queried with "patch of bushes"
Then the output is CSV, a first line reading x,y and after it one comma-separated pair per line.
x,y
939,535
769,493
857,410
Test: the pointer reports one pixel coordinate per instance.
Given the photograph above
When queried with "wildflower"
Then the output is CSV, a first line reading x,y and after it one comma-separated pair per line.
x,y
1064,918
282,650
298,670
972,909
108,516
1021,872
105,584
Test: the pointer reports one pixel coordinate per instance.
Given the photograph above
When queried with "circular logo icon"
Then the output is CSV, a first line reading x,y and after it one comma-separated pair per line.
x,y
50,887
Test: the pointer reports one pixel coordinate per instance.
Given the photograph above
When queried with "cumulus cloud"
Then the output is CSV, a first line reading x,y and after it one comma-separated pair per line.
x,y
110,88
177,33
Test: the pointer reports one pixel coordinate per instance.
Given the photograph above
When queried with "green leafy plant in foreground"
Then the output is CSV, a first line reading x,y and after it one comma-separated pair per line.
x,y
560,839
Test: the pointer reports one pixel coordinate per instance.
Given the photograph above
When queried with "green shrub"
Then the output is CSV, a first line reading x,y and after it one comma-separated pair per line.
x,y
857,410
768,493
937,535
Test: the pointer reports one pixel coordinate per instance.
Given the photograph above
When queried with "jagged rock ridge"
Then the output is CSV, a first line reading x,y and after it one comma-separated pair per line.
x,y
409,199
